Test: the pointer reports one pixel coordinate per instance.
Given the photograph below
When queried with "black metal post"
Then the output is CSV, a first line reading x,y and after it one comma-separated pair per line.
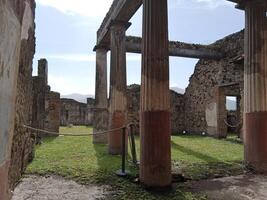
x,y
123,153
133,145
122,172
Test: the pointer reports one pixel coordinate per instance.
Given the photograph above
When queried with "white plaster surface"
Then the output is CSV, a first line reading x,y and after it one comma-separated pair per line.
x,y
27,22
211,114
10,34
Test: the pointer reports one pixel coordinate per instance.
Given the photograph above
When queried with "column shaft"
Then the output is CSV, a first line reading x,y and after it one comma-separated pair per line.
x,y
117,103
101,104
155,166
255,86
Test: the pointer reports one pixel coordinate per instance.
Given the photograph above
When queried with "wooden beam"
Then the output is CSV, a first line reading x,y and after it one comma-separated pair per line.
x,y
177,49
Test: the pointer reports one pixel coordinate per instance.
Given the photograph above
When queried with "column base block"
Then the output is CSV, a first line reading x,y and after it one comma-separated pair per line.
x,y
117,120
256,141
155,161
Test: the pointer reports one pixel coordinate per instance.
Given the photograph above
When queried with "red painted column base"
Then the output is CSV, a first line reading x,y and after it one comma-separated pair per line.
x,y
256,141
117,120
155,162
4,190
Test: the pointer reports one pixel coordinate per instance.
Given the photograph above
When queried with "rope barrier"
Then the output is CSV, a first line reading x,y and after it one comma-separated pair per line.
x,y
125,131
70,134
232,126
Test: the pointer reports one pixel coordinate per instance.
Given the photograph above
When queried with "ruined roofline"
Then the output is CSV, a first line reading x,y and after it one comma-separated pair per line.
x,y
227,37
174,44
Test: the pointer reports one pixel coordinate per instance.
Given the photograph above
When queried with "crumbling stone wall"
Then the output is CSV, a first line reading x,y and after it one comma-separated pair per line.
x,y
177,108
200,99
46,103
39,91
72,112
202,108
52,111
23,139
17,33
76,113
90,111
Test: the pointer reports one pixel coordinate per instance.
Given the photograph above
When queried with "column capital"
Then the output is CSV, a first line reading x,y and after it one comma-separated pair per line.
x,y
122,24
103,47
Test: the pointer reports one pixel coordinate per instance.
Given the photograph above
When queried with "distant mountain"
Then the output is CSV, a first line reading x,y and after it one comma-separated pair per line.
x,y
178,90
78,97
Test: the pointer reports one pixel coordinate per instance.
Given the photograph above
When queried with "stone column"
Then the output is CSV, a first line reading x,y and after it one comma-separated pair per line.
x,y
155,166
117,102
100,122
255,85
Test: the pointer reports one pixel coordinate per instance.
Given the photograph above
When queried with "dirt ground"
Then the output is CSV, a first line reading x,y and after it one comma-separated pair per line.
x,y
55,188
242,187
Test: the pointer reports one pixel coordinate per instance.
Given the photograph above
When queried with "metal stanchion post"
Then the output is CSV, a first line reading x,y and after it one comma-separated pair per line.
x,y
133,145
122,171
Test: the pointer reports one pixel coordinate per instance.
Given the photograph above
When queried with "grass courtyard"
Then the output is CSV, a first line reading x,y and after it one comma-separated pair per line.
x,y
76,158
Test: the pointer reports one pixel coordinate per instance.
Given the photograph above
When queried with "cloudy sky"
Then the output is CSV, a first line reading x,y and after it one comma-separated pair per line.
x,y
66,35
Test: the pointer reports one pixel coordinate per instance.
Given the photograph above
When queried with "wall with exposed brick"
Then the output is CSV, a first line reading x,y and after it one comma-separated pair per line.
x,y
23,139
52,111
72,112
46,103
90,111
16,51
177,108
202,102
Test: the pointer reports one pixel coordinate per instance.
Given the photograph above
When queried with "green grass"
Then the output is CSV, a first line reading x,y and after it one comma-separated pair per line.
x,y
77,158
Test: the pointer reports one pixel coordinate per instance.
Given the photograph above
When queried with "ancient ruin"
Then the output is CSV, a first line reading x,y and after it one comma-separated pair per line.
x,y
76,113
233,66
217,74
202,108
46,103
17,33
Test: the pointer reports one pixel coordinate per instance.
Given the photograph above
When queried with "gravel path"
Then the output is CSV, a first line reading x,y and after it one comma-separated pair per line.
x,y
55,188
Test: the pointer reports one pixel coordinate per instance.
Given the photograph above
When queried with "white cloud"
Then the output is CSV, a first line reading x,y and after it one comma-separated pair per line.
x,y
214,3
73,57
67,85
198,4
87,8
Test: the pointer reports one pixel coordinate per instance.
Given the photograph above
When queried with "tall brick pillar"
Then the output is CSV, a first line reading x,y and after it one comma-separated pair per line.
x,y
100,122
255,86
117,102
155,166
43,70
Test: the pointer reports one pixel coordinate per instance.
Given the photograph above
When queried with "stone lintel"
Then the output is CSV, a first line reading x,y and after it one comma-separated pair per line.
x,y
124,24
